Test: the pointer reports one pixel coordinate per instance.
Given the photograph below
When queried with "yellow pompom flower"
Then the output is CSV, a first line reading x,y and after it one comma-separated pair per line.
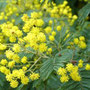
x,y
28,65
25,17
14,83
11,64
34,76
19,33
68,47
65,3
9,77
42,47
50,50
41,37
24,80
16,48
48,29
76,41
7,71
15,73
50,22
75,17
65,11
9,54
34,15
80,64
24,68
53,33
61,71
2,46
75,68
64,78
16,58
69,67
87,67
24,60
80,61
12,39
82,38
3,62
39,22
75,76
3,69
1,17
13,20
82,45
59,28
51,38
20,74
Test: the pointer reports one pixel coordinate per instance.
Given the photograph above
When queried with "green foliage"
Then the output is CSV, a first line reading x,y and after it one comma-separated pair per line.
x,y
46,69
83,13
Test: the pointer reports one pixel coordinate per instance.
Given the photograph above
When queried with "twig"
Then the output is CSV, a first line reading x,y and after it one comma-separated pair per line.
x,y
33,64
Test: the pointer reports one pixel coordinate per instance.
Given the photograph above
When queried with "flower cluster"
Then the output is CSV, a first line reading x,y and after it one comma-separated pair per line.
x,y
11,31
80,42
42,32
71,71
15,7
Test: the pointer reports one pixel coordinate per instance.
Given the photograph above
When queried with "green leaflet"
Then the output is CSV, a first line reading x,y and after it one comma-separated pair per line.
x,y
83,13
46,69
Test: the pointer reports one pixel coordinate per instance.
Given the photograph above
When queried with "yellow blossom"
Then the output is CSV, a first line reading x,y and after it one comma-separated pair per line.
x,y
87,67
76,41
51,38
14,83
61,71
24,80
34,76
4,62
64,78
24,60
16,48
82,38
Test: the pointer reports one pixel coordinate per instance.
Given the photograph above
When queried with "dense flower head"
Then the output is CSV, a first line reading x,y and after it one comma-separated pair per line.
x,y
82,45
61,71
2,46
24,59
11,64
75,76
87,67
34,76
69,67
80,64
3,62
24,80
64,78
9,54
76,41
16,48
14,83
